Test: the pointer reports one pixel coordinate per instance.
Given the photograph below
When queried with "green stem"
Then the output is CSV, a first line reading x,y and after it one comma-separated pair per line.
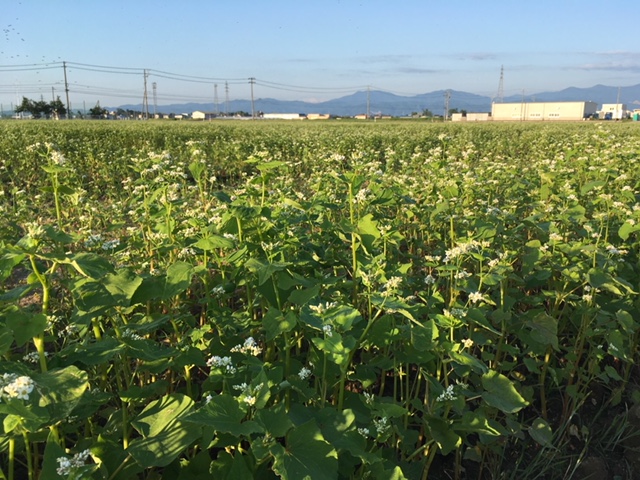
x,y
27,446
12,457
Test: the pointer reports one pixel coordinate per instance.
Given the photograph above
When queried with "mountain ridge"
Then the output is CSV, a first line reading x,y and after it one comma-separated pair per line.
x,y
386,103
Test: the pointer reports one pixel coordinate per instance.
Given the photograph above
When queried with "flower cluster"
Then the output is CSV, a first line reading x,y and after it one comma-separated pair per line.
x,y
381,424
224,363
322,307
16,386
33,357
66,465
304,373
248,347
248,392
447,395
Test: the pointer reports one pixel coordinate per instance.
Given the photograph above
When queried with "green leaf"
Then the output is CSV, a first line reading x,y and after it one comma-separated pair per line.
x,y
587,187
274,420
627,229
160,413
25,325
52,452
164,432
368,231
62,390
7,262
178,279
475,422
266,166
501,393
303,296
213,242
544,330
626,321
336,348
275,324
95,353
224,414
264,269
598,278
540,431
463,358
343,316
443,434
145,392
91,295
307,455
617,348
89,264
122,285
423,336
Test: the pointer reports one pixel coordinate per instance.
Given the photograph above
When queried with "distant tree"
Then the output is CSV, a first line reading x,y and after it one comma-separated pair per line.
x,y
35,108
427,113
98,111
452,111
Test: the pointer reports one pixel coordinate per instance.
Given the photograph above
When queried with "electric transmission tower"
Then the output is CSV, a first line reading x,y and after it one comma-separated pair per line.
x,y
155,99
447,97
226,98
252,82
215,98
500,95
145,98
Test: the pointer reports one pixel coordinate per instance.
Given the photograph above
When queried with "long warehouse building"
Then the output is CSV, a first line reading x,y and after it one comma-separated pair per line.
x,y
543,111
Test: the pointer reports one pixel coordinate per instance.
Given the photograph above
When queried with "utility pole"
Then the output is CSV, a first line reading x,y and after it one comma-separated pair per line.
x,y
447,97
215,99
155,99
145,99
226,99
368,102
252,81
66,89
53,94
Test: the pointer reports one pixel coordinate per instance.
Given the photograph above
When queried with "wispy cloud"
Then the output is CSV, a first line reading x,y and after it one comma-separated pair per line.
x,y
476,56
613,60
612,66
382,59
417,70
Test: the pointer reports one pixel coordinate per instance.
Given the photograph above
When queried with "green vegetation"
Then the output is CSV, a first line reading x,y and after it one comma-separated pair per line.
x,y
339,300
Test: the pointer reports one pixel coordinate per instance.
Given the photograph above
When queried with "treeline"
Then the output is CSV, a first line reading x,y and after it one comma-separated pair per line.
x,y
54,109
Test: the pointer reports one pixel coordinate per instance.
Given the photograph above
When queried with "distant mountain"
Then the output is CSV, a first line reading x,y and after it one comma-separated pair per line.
x,y
396,105
599,94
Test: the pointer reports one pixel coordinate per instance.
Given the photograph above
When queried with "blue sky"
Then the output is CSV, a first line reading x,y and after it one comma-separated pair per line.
x,y
310,49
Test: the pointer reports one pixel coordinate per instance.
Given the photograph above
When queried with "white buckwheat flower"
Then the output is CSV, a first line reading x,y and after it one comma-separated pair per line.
x,y
475,297
328,330
248,347
67,465
14,386
447,395
304,373
222,362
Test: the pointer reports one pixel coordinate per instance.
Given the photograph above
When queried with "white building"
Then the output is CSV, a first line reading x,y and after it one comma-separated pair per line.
x,y
478,117
543,111
613,111
284,116
199,115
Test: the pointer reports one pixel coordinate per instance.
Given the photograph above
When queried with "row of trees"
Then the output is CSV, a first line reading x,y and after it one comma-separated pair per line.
x,y
53,109
40,108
